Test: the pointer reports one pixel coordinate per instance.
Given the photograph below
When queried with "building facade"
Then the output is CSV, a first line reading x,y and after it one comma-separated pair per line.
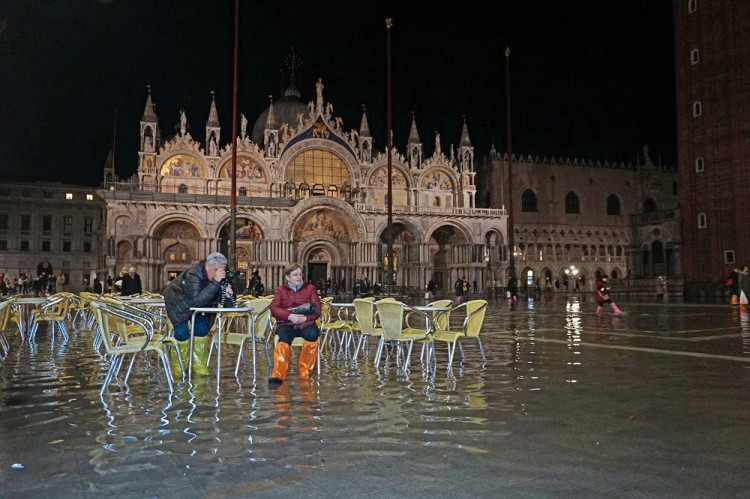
x,y
307,192
576,219
52,228
712,63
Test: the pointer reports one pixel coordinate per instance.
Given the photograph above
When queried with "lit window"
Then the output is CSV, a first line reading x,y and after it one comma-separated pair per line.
x,y
318,167
692,6
702,224
699,165
89,197
694,56
697,109
68,195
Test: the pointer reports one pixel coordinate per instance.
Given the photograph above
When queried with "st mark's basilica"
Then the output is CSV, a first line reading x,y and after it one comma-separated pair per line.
x,y
310,192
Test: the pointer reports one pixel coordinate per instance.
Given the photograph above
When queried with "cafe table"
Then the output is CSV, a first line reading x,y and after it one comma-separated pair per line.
x,y
25,306
219,311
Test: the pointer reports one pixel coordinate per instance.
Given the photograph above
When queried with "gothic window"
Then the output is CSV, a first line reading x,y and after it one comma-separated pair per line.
x,y
649,206
657,251
528,201
697,109
613,205
572,203
333,191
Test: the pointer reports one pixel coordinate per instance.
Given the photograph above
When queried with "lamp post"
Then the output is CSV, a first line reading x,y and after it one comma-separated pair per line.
x,y
572,271
510,166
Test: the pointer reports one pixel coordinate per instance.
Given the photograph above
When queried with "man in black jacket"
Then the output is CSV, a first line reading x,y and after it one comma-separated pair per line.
x,y
198,286
131,283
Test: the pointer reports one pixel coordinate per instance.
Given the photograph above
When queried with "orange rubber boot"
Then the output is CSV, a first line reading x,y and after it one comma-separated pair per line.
x,y
280,363
307,358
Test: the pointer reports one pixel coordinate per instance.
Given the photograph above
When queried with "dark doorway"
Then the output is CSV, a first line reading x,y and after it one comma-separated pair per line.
x,y
317,271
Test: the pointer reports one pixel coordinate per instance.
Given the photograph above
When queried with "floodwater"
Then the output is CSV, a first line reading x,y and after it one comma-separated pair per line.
x,y
651,403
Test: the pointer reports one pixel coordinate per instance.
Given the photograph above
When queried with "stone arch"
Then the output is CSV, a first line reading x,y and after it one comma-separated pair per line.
x,y
183,165
124,250
358,233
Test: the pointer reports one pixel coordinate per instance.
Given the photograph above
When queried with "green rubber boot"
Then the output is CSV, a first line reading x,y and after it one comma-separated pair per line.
x,y
200,354
183,347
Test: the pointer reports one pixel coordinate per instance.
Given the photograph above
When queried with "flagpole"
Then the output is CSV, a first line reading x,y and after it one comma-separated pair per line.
x,y
231,257
389,277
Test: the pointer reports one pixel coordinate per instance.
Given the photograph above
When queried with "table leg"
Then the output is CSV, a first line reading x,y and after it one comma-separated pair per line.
x,y
190,350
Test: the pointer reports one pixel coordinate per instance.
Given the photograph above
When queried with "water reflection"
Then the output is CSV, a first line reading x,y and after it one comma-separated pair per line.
x,y
49,398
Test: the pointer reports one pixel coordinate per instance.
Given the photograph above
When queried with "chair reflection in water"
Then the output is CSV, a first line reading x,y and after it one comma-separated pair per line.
x,y
124,332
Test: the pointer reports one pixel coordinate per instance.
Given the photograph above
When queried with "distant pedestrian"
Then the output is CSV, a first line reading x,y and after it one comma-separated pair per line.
x,y
743,283
661,288
734,285
601,295
512,293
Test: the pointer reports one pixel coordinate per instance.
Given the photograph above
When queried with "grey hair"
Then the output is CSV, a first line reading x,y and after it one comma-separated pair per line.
x,y
216,258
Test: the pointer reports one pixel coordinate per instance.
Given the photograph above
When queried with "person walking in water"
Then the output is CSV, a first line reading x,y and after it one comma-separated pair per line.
x,y
601,295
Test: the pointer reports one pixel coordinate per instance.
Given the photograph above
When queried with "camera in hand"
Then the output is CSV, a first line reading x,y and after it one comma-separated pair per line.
x,y
231,275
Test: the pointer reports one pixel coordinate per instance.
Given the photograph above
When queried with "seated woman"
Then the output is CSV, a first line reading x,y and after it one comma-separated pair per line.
x,y
296,306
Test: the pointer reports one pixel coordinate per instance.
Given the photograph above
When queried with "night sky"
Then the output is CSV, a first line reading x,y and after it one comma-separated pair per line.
x,y
589,78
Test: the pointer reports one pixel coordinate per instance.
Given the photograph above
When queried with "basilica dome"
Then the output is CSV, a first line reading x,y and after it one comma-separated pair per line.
x,y
284,111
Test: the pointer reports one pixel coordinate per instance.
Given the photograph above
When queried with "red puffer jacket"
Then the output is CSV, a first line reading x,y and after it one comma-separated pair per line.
x,y
286,298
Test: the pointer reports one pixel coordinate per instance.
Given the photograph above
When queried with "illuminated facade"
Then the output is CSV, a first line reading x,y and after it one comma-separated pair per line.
x,y
308,192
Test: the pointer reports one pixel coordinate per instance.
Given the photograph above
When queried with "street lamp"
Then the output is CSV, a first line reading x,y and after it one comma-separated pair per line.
x,y
573,272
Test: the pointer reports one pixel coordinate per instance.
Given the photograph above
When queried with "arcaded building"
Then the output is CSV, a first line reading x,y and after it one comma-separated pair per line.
x,y
308,191
575,219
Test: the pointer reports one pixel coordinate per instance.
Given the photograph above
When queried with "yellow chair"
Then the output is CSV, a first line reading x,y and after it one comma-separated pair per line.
x,y
391,316
115,323
334,321
237,332
470,329
54,312
366,323
160,325
6,311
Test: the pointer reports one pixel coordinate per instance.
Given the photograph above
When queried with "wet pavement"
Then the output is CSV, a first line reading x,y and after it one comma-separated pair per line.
x,y
653,403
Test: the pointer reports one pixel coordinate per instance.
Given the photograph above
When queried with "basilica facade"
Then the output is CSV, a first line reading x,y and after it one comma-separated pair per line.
x,y
307,192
